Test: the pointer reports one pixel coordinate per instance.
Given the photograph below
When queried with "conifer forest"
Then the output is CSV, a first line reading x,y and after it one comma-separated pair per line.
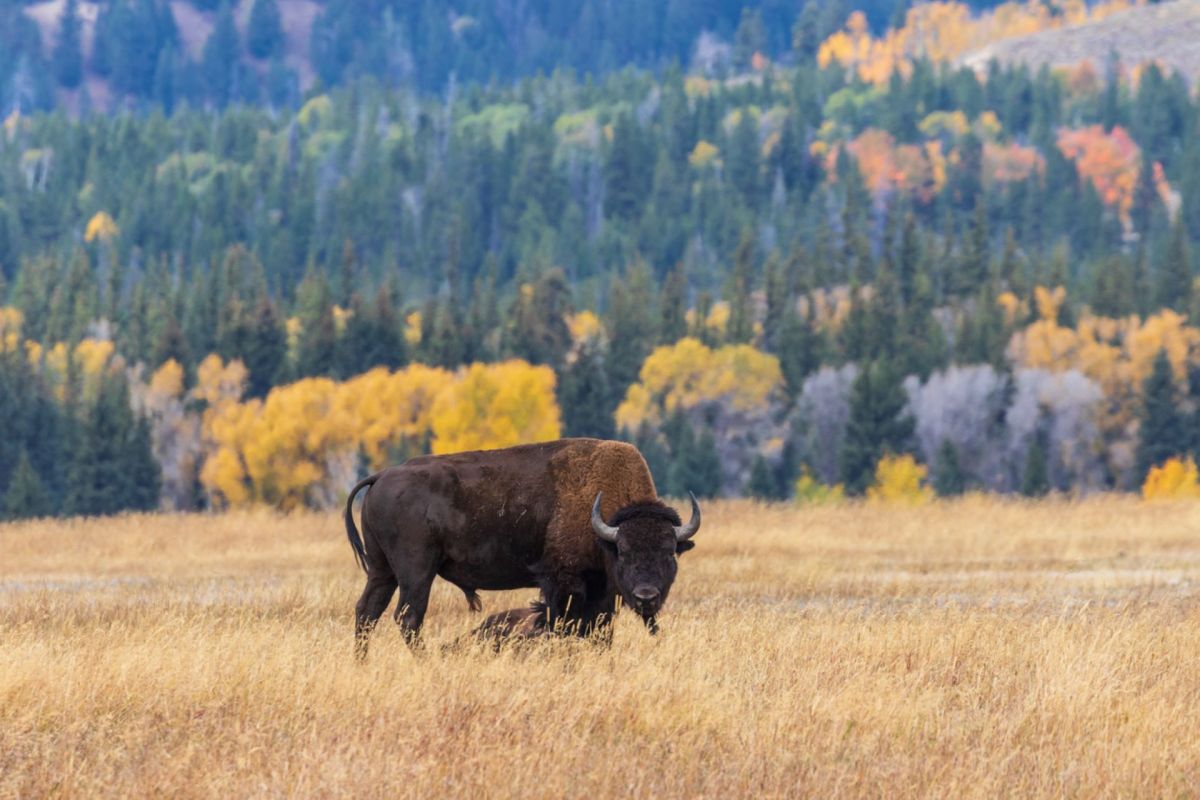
x,y
249,252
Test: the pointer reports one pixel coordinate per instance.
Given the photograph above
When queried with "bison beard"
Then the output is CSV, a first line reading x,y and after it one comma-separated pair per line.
x,y
530,516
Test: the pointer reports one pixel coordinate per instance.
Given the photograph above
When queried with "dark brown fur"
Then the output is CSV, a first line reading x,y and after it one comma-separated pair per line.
x,y
515,623
508,519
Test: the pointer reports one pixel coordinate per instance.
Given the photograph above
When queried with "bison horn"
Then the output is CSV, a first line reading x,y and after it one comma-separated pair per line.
x,y
685,532
605,531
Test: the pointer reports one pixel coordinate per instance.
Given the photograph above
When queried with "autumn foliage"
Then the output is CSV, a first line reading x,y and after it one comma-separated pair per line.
x,y
1175,479
302,444
945,31
1110,160
900,479
689,374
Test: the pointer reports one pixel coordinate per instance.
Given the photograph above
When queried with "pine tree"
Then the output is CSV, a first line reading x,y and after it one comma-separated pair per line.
x,y
112,465
26,495
1162,428
1035,480
741,312
799,351
262,347
220,59
750,38
702,474
143,473
657,458
264,32
627,173
762,485
585,396
631,326
877,424
742,162
537,330
908,262
317,350
1175,281
672,306
68,58
948,477
973,270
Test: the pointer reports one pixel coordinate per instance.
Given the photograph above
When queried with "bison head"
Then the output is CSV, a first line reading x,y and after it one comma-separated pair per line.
x,y
640,545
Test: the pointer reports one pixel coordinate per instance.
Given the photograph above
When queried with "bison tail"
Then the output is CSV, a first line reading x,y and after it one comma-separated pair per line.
x,y
356,543
473,600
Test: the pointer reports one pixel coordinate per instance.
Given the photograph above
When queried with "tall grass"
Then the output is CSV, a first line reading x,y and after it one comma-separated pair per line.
x,y
970,649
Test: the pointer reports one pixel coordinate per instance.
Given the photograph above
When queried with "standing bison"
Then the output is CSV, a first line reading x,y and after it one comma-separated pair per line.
x,y
529,516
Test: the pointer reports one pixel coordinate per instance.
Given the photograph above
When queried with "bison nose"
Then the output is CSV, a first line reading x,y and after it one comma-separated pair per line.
x,y
647,594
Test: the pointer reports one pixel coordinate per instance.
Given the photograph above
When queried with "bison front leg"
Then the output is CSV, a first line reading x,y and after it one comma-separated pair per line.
x,y
578,604
374,601
565,598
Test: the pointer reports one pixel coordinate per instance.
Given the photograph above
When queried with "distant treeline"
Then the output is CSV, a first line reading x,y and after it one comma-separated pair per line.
x,y
923,224
140,56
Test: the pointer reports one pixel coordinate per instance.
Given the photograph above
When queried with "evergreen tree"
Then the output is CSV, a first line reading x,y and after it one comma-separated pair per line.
x,y
112,466
317,350
627,173
220,59
26,495
741,311
750,38
799,351
585,396
948,477
877,425
68,57
909,261
742,162
537,329
261,344
631,326
264,32
762,485
672,306
1175,281
695,464
973,270
657,458
373,337
144,475
1162,428
1035,480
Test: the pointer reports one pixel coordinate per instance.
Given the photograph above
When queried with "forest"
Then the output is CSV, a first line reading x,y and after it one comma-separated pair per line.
x,y
216,53
798,268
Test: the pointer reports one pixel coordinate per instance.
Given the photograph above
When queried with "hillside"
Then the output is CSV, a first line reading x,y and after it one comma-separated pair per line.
x,y
1165,32
194,27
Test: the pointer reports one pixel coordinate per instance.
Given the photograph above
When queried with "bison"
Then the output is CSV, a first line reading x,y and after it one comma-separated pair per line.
x,y
513,624
532,516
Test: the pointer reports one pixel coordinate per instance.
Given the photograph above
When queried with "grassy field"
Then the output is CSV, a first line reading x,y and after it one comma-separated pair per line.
x,y
969,649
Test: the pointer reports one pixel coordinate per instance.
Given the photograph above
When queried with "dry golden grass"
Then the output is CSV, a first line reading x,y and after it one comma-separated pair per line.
x,y
970,649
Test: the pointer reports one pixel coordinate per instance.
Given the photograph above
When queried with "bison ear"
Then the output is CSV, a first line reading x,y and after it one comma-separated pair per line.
x,y
607,546
684,546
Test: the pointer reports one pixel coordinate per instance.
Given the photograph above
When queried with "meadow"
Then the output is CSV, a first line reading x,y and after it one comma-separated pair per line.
x,y
969,648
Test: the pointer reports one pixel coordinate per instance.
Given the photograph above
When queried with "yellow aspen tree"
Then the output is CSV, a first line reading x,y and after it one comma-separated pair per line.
x,y
496,405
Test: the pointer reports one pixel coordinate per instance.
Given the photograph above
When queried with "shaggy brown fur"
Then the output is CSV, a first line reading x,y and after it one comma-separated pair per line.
x,y
615,468
515,623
